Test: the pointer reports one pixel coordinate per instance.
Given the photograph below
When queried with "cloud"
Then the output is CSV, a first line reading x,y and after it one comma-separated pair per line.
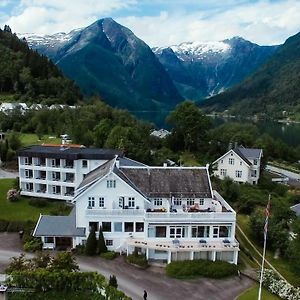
x,y
263,22
44,16
161,22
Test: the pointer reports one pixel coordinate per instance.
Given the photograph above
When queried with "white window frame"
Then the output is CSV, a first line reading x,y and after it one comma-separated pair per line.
x,y
109,243
111,183
131,202
201,201
157,202
91,202
231,161
223,172
238,173
101,202
177,202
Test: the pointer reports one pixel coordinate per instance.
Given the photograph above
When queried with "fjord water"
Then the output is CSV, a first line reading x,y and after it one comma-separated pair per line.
x,y
289,133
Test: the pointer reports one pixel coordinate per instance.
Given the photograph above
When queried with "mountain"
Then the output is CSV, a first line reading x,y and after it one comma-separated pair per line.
x,y
107,59
273,88
201,70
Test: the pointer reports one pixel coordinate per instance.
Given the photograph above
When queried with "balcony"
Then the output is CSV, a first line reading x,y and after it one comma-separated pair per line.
x,y
92,211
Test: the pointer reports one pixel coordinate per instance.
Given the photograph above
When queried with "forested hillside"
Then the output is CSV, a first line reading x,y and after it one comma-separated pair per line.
x,y
274,88
31,77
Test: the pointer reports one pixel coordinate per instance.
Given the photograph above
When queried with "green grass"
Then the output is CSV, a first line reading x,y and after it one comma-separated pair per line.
x,y
28,139
189,159
253,293
20,210
280,264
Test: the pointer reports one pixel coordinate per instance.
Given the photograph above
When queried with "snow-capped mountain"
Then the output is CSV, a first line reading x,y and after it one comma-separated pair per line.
x,y
203,69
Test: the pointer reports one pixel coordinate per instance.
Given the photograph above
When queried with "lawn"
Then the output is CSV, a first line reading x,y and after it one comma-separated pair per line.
x,y
253,293
28,139
280,264
21,210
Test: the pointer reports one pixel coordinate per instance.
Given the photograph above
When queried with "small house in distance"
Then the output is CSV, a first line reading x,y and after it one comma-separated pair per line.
x,y
240,164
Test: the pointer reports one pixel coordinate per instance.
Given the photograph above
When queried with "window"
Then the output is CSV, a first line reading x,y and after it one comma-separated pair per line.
x,y
224,231
177,231
215,231
111,183
84,163
118,227
101,201
109,242
201,201
91,202
48,240
241,163
93,226
238,174
160,231
177,202
128,226
56,189
106,226
139,227
223,172
121,202
255,162
131,202
28,173
231,161
157,201
221,161
200,231
253,173
190,202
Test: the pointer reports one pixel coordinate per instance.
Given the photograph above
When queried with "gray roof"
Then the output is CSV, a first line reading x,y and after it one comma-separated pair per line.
x,y
296,209
125,161
168,182
97,173
58,226
69,152
250,153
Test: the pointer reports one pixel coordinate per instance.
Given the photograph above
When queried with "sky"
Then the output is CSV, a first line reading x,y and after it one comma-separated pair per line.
x,y
161,22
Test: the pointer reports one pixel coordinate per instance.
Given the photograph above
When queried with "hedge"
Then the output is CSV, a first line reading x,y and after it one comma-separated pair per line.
x,y
109,255
200,268
137,259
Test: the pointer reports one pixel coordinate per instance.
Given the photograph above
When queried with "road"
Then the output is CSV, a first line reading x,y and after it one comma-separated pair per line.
x,y
294,178
7,174
132,281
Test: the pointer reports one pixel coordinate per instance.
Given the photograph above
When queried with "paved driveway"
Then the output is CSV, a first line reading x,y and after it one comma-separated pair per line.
x,y
133,281
7,174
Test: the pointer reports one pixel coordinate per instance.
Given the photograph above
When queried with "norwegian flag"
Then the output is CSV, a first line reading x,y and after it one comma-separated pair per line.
x,y
267,211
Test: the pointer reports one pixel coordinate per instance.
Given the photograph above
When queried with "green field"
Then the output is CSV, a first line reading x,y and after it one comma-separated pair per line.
x,y
280,264
21,210
28,139
252,294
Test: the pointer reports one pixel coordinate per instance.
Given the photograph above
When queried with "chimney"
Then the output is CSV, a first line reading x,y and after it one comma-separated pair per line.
x,y
230,146
165,165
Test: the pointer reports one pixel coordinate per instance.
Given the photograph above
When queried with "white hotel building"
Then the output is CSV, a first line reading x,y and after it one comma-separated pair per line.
x,y
167,213
56,171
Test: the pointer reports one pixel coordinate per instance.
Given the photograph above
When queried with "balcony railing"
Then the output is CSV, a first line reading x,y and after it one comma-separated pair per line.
x,y
114,212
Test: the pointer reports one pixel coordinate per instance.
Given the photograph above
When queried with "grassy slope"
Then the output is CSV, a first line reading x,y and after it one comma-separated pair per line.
x,y
21,210
28,139
253,293
280,264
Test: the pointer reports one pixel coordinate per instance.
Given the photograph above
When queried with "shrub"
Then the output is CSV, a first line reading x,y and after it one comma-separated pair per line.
x,y
101,243
91,244
12,195
137,259
15,226
113,281
38,203
200,268
80,249
109,255
33,245
3,225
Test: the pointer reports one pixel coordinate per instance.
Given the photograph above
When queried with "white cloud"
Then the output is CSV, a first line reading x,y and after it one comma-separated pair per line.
x,y
263,22
44,16
160,22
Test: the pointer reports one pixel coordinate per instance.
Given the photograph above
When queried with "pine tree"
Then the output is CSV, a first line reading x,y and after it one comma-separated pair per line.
x,y
101,243
91,243
113,281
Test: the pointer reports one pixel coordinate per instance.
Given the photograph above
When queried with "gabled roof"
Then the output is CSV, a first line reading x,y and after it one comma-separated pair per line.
x,y
242,156
250,153
97,173
58,226
296,209
167,182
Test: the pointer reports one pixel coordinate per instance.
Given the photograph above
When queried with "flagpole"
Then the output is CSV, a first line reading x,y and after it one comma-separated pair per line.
x,y
264,251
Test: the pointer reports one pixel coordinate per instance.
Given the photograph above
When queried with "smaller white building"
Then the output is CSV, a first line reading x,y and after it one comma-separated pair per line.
x,y
8,107
240,164
161,133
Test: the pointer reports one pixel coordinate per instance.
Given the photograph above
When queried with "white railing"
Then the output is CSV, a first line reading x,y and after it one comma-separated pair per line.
x,y
114,212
